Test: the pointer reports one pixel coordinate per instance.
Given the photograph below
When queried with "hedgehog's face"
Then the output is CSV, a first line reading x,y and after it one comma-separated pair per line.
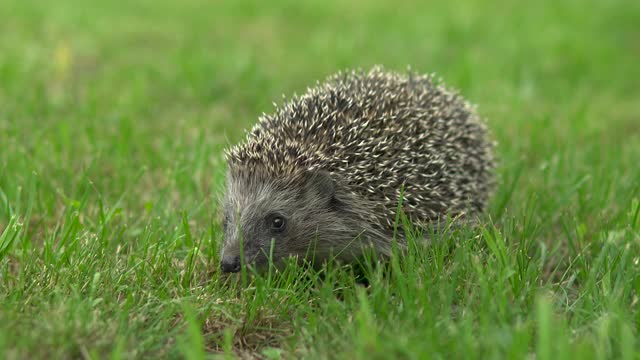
x,y
275,220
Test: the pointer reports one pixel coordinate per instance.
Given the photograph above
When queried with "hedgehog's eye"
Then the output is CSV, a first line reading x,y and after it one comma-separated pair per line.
x,y
278,223
225,221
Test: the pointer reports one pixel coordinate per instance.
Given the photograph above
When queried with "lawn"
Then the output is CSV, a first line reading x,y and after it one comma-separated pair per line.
x,y
114,115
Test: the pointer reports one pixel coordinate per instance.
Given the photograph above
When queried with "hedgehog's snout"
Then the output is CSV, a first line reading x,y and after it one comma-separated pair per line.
x,y
230,264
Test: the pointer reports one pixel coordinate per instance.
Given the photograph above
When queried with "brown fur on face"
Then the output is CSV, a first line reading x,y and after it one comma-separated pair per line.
x,y
318,220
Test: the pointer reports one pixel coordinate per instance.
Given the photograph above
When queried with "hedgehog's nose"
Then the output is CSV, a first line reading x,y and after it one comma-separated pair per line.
x,y
231,264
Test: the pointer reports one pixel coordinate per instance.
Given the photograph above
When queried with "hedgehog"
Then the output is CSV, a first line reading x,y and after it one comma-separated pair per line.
x,y
324,177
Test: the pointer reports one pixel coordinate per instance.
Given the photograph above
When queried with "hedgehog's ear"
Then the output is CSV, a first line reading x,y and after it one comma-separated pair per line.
x,y
320,184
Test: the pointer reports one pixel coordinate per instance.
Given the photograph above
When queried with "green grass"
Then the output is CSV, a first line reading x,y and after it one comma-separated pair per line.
x,y
114,114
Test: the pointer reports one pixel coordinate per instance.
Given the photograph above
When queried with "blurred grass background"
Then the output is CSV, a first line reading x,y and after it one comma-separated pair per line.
x,y
114,114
